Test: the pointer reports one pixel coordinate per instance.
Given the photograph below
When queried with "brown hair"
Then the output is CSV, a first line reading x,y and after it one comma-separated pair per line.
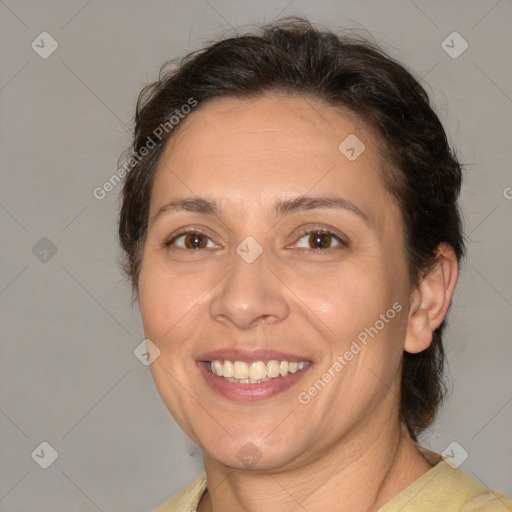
x,y
291,56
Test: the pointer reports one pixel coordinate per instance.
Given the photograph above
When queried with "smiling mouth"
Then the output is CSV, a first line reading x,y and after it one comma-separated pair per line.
x,y
241,372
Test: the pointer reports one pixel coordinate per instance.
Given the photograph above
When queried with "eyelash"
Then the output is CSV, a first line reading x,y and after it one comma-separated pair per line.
x,y
312,231
321,231
168,243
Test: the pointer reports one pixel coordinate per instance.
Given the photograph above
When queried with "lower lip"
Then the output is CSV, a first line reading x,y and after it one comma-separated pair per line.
x,y
250,392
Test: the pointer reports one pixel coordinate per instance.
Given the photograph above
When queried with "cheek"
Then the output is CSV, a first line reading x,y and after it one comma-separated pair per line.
x,y
168,301
362,313
347,299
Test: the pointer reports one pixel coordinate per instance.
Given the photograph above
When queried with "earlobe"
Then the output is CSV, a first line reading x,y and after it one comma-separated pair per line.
x,y
431,299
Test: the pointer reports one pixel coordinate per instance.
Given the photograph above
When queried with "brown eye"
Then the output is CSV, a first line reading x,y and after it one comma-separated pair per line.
x,y
190,240
195,241
320,240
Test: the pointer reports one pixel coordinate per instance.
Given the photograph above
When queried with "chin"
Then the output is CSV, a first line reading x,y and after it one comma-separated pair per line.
x,y
252,454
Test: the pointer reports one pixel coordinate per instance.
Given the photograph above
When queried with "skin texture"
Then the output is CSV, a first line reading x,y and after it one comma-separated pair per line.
x,y
346,446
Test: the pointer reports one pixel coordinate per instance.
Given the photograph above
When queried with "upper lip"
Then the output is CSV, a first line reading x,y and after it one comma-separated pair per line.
x,y
249,356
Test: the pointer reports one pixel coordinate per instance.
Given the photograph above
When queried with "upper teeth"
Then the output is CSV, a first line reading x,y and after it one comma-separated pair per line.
x,y
255,371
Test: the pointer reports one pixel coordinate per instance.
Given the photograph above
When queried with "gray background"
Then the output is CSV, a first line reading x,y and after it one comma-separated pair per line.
x,y
68,372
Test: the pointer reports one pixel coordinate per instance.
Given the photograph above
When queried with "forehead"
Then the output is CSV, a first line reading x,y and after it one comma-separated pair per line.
x,y
269,146
246,127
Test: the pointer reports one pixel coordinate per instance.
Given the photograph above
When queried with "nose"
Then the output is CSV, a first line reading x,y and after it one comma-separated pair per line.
x,y
250,295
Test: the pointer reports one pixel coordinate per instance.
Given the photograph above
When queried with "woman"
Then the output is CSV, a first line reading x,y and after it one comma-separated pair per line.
x,y
291,231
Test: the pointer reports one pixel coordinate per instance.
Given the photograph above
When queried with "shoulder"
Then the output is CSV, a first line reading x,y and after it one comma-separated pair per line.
x,y
446,488
187,499
490,501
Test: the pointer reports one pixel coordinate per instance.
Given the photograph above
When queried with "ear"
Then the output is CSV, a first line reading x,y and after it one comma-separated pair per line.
x,y
430,300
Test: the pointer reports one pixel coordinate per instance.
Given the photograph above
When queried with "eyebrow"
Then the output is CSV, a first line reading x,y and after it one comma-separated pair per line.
x,y
304,203
281,208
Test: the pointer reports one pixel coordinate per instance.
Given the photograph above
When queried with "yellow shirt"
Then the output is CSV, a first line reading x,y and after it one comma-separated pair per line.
x,y
442,489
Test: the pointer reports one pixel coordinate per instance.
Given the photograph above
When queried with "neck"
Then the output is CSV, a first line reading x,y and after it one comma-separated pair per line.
x,y
357,476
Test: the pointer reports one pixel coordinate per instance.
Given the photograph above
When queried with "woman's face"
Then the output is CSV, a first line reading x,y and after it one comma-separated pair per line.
x,y
285,248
